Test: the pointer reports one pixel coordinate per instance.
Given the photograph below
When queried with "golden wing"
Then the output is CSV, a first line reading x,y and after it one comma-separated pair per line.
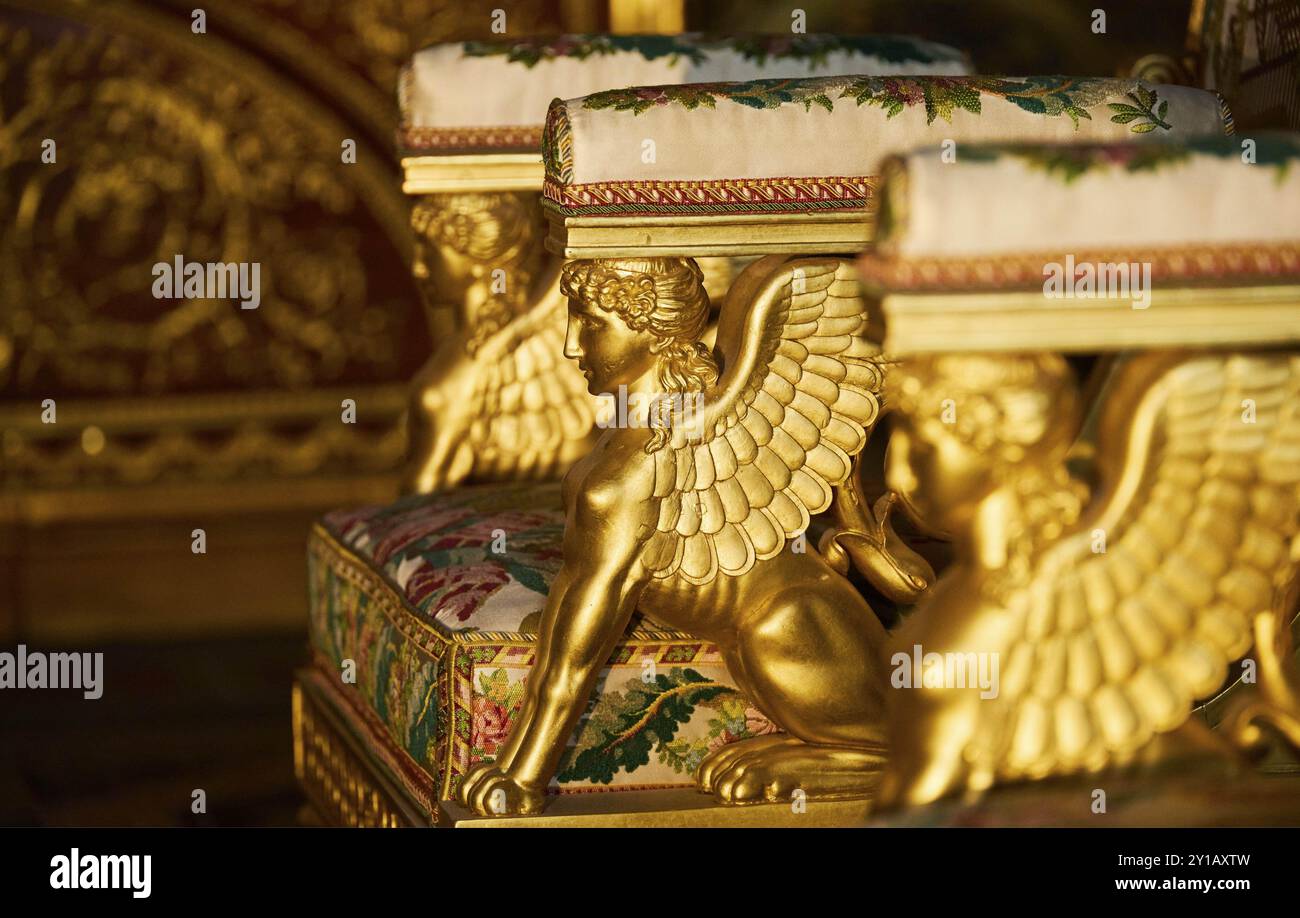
x,y
534,415
779,429
1112,647
510,409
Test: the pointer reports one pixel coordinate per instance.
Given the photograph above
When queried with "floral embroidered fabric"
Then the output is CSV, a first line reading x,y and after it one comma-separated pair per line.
x,y
422,617
714,148
1206,210
445,110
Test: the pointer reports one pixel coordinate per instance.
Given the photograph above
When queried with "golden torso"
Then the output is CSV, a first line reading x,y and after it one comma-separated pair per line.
x,y
712,611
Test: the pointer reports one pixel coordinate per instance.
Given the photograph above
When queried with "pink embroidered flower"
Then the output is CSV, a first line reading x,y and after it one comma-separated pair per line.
x,y
454,594
401,531
909,92
751,723
491,725
757,724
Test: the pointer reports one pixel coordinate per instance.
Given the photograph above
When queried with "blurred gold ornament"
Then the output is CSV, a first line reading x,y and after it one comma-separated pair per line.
x,y
496,400
1110,613
695,513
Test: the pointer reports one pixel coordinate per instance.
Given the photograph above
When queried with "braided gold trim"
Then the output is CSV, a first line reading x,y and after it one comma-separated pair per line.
x,y
766,195
522,138
1268,261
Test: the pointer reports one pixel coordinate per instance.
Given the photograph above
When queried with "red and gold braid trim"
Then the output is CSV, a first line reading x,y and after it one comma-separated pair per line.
x,y
664,198
1269,262
513,138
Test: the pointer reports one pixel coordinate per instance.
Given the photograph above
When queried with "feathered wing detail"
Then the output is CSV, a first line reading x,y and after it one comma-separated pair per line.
x,y
1112,647
533,414
777,433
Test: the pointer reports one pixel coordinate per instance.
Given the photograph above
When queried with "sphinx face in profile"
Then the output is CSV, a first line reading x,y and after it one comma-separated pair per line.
x,y
627,316
608,350
461,238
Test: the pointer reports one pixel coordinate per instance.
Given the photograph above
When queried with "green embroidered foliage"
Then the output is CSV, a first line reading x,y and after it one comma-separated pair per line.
x,y
942,101
941,96
624,727
1278,151
1049,96
730,725
1143,110
816,49
526,576
640,98
530,51
497,688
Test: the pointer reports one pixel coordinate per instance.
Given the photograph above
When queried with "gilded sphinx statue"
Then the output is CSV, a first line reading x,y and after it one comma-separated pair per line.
x,y
496,400
694,514
1113,608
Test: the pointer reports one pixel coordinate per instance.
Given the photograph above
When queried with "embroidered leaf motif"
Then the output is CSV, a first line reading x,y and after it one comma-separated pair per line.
x,y
1049,96
823,100
736,720
496,687
1037,106
527,576
641,98
531,51
1143,108
941,98
1279,152
624,727
816,49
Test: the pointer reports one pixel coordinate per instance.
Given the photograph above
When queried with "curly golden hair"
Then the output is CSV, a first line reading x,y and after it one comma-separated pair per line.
x,y
662,296
1023,409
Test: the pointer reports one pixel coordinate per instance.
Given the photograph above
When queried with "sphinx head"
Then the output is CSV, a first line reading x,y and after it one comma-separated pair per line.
x,y
638,319
967,424
460,239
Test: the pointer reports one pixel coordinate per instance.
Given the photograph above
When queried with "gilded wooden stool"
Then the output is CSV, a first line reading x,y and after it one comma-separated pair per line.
x,y
424,613
708,534
1117,592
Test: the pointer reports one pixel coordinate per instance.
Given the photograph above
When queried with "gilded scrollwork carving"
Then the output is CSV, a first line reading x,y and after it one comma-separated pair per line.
x,y
153,160
127,142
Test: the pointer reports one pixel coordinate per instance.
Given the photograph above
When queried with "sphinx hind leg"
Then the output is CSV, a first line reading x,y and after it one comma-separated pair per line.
x,y
774,771
809,658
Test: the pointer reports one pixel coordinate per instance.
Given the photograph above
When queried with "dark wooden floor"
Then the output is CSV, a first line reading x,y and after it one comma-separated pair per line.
x,y
175,717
